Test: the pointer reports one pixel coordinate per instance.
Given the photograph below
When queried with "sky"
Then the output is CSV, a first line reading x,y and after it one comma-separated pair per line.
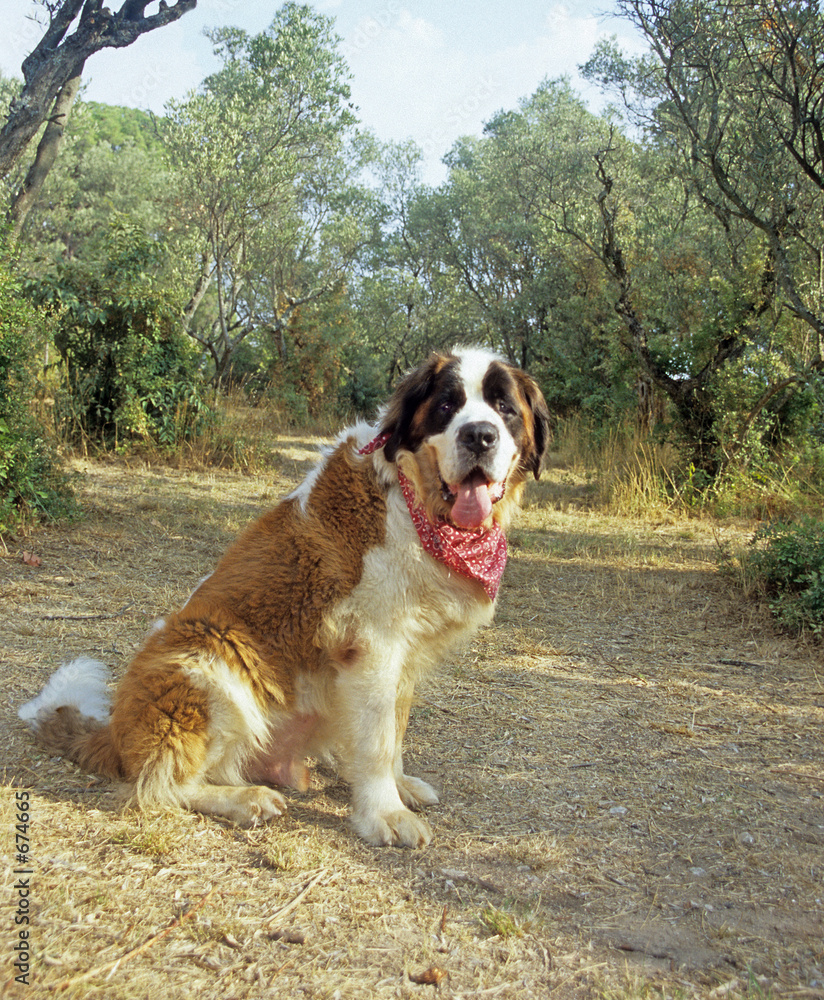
x,y
431,71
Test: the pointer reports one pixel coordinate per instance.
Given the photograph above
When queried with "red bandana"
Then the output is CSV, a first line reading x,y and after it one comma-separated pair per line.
x,y
479,555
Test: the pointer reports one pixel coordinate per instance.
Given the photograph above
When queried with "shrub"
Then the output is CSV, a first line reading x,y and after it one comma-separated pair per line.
x,y
788,558
131,372
364,384
31,483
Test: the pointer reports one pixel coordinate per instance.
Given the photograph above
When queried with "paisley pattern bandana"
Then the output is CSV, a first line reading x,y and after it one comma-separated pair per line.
x,y
479,555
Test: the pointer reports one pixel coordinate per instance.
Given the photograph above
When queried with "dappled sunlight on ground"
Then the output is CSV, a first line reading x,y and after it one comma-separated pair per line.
x,y
630,766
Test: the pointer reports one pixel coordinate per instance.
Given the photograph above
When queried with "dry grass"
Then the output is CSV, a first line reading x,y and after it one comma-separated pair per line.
x,y
625,472
630,473
630,763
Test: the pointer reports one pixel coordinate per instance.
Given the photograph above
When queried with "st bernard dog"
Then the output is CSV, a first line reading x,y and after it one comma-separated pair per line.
x,y
308,638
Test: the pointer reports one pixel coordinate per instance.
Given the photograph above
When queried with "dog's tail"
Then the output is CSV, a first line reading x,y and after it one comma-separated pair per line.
x,y
69,717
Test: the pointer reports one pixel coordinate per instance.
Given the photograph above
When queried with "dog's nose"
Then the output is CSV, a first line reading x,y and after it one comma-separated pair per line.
x,y
478,437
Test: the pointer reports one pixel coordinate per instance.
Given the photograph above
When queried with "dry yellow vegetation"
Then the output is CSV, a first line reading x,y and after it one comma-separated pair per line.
x,y
630,761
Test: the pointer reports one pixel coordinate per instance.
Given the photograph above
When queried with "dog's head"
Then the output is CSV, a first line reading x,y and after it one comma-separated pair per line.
x,y
467,429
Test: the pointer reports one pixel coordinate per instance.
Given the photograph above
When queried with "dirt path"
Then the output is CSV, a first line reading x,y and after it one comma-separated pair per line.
x,y
630,760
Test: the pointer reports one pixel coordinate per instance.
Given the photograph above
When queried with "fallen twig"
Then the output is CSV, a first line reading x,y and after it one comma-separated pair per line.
x,y
795,772
741,663
112,967
87,618
594,763
436,706
282,911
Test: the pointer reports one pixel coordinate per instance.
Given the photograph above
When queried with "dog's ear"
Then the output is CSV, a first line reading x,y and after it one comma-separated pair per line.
x,y
410,394
541,422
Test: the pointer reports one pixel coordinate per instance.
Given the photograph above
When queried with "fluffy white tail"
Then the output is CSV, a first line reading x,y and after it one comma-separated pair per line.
x,y
81,684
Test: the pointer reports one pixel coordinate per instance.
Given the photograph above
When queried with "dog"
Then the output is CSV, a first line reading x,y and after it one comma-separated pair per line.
x,y
309,636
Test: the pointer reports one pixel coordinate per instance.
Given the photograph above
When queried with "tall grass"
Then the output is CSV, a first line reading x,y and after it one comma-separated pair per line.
x,y
633,475
782,565
239,434
231,432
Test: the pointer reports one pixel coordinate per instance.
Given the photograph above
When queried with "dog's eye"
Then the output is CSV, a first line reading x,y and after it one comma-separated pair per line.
x,y
505,408
446,407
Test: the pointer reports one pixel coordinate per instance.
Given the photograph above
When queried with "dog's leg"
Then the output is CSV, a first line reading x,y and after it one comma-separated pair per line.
x,y
169,745
367,696
414,792
246,805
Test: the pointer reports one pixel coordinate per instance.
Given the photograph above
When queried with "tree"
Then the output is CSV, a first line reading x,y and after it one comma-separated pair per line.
x,y
490,235
47,151
30,480
536,291
403,293
112,162
735,92
260,152
51,77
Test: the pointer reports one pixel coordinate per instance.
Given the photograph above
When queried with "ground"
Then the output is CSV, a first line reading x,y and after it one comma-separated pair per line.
x,y
629,760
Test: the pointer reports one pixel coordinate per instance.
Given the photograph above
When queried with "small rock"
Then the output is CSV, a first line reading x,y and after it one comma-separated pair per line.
x,y
454,873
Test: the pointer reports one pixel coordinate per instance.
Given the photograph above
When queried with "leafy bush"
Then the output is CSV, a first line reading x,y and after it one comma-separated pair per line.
x,y
789,560
131,372
364,383
31,482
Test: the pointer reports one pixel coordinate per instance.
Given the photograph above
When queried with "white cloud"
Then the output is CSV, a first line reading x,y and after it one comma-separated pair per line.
x,y
410,80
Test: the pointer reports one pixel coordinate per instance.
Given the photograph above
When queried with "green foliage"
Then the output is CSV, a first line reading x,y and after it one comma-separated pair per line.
x,y
9,89
789,560
30,481
726,94
264,176
120,127
131,373
112,162
307,372
501,923
363,388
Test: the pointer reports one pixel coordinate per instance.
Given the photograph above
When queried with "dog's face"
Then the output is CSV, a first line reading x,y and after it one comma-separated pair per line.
x,y
467,428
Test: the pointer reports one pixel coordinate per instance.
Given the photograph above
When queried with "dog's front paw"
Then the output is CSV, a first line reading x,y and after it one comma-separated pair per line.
x,y
400,828
416,793
245,805
263,804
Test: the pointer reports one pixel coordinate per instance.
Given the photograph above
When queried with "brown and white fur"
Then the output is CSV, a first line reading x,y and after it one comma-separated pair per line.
x,y
309,636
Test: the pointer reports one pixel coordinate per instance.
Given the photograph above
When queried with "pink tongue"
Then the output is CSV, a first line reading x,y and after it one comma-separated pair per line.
x,y
473,505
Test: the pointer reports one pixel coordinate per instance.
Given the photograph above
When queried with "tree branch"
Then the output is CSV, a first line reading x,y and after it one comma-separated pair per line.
x,y
47,150
59,56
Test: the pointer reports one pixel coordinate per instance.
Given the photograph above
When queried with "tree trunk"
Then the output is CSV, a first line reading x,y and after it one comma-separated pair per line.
x,y
47,151
204,280
59,57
